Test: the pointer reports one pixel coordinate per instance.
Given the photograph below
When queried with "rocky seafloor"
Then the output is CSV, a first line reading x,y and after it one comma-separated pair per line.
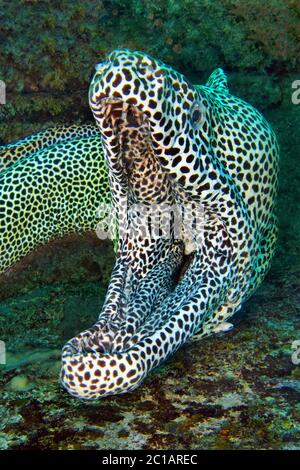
x,y
236,390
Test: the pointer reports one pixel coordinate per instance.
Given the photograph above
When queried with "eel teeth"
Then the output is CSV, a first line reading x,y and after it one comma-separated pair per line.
x,y
124,111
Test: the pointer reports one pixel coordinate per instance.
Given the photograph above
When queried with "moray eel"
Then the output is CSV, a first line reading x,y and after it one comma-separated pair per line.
x,y
173,148
52,183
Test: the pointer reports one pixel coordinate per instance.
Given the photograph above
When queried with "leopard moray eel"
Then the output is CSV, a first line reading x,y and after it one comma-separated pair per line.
x,y
169,143
51,184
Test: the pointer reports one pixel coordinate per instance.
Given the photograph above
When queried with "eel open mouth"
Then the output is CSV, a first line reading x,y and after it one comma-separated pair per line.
x,y
151,257
127,129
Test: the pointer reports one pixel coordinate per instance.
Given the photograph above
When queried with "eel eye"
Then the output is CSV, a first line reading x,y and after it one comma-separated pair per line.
x,y
197,115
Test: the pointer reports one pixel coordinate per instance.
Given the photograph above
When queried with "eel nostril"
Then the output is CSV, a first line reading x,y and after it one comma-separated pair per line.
x,y
112,56
100,66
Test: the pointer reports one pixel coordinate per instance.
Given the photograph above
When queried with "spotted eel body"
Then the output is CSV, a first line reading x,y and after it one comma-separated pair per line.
x,y
211,156
52,183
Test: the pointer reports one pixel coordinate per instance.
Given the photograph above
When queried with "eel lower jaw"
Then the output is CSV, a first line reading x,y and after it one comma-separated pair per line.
x,y
130,299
